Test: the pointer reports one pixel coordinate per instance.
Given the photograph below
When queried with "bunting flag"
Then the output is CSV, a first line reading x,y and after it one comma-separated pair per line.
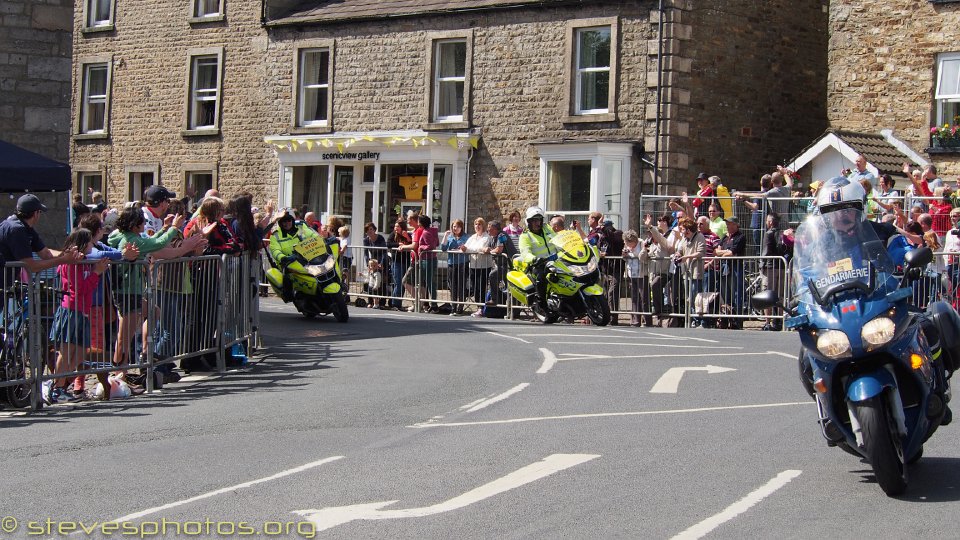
x,y
342,143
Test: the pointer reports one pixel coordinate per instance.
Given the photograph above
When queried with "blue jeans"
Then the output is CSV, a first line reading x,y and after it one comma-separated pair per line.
x,y
428,275
695,288
169,335
397,269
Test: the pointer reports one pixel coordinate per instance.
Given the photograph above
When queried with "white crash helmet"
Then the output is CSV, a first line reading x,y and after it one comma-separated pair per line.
x,y
534,212
839,193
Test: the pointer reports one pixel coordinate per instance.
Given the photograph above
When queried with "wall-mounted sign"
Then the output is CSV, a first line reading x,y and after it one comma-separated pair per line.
x,y
352,155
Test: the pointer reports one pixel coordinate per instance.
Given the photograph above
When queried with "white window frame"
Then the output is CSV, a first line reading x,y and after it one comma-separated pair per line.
x,y
581,72
83,172
90,12
601,156
133,177
303,87
198,96
942,94
574,72
191,169
200,12
89,100
439,81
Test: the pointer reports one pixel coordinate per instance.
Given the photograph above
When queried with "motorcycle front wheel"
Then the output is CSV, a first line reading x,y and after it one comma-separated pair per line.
x,y
18,395
340,312
597,310
882,445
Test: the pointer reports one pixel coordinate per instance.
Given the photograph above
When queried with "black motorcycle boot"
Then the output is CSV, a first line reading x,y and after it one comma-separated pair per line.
x,y
286,291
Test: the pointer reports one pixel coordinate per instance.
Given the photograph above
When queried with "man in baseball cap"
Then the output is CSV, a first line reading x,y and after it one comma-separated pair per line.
x,y
19,240
157,199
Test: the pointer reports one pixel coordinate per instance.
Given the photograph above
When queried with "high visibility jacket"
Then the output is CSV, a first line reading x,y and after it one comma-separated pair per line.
x,y
282,242
533,245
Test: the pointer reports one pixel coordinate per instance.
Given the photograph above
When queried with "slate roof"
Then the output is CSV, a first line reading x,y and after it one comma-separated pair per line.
x,y
875,148
877,151
329,11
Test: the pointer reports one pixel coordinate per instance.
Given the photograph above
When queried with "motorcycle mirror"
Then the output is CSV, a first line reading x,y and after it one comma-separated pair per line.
x,y
765,299
918,257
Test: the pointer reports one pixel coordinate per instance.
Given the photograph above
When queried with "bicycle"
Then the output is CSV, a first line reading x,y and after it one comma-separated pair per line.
x,y
15,365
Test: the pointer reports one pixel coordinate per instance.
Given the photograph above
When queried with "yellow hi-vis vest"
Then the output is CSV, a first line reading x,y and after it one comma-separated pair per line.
x,y
534,245
723,197
282,244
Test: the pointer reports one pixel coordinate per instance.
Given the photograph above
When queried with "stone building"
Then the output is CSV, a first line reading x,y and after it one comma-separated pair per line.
x,y
35,58
476,107
895,65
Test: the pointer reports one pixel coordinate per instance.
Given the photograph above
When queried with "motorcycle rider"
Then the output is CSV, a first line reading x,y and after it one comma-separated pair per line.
x,y
535,248
840,203
288,235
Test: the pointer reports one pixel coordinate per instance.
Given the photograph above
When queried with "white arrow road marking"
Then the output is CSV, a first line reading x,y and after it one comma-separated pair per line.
x,y
508,337
608,415
670,380
501,397
706,526
778,353
548,361
288,472
330,517
635,356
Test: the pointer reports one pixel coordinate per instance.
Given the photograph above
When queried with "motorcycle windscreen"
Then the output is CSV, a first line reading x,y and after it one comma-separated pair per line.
x,y
569,242
839,251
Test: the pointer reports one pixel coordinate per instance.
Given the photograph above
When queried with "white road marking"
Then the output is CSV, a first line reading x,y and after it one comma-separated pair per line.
x,y
508,337
501,397
330,517
288,472
548,361
613,414
622,357
472,403
705,340
706,526
592,343
783,354
631,335
670,381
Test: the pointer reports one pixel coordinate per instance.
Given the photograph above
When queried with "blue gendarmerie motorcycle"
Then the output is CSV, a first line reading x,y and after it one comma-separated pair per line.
x,y
876,365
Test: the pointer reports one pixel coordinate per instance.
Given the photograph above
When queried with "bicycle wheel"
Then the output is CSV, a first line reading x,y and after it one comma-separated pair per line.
x,y
17,367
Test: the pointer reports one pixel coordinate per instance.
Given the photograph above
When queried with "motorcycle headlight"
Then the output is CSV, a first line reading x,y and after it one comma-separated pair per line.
x,y
324,268
878,332
583,269
833,344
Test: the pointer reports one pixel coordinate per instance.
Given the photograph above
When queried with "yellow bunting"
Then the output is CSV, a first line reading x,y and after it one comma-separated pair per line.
x,y
294,145
474,142
340,147
452,141
310,145
325,142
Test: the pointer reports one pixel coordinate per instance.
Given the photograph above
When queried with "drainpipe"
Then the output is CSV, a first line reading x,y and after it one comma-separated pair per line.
x,y
656,140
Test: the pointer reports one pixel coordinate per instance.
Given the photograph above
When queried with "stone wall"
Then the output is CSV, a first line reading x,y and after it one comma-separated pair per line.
x,y
517,86
35,46
882,68
746,86
149,93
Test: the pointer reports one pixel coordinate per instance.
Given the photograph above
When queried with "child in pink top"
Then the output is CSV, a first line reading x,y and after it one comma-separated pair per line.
x,y
71,324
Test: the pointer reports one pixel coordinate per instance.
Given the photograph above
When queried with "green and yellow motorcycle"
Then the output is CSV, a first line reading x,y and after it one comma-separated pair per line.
x,y
317,280
573,288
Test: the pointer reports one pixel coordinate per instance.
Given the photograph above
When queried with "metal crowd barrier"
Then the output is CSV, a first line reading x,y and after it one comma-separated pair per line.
x,y
142,315
465,282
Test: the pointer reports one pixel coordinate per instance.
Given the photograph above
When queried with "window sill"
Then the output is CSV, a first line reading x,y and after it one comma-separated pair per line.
x,y
590,118
310,130
205,20
91,136
943,149
206,132
93,30
446,126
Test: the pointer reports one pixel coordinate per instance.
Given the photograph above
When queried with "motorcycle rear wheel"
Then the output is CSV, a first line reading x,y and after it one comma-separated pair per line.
x,y
883,446
597,310
546,317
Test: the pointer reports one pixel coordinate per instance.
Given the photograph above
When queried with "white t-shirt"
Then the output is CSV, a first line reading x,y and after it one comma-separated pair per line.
x,y
153,224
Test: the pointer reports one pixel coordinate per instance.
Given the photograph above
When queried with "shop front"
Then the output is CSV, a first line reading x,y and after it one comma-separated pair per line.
x,y
375,176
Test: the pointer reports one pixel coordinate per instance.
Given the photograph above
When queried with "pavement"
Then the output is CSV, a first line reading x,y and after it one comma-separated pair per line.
x,y
428,426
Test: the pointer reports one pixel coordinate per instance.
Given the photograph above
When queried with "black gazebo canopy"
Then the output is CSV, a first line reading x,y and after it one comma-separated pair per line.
x,y
22,170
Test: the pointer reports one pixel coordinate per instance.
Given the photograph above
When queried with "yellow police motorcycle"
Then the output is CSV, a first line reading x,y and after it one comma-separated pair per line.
x,y
573,286
317,279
